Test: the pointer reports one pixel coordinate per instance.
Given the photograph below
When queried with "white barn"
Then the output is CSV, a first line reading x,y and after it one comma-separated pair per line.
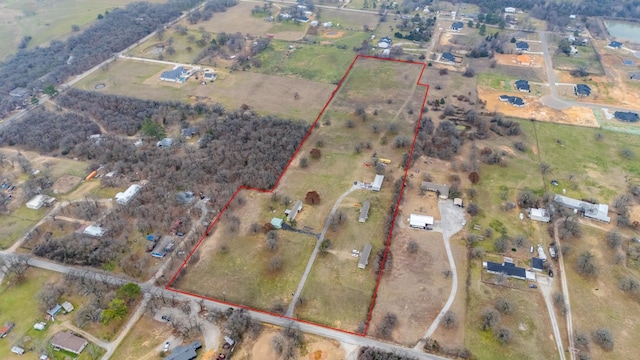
x,y
123,198
377,183
420,221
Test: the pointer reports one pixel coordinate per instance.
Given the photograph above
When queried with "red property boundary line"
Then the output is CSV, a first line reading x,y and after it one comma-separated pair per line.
x,y
395,213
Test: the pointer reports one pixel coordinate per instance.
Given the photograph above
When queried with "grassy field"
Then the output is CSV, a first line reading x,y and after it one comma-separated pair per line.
x,y
17,223
267,94
145,336
586,58
46,21
180,43
592,298
243,259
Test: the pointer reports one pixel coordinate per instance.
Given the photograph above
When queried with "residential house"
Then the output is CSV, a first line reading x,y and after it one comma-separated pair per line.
x,y
457,26
441,190
94,231
522,46
40,200
506,268
541,215
537,264
615,45
19,92
364,256
364,211
594,211
420,221
448,57
68,342
513,100
6,329
123,198
510,10
293,212
187,352
377,183
385,42
174,75
582,90
504,98
523,85
626,116
277,223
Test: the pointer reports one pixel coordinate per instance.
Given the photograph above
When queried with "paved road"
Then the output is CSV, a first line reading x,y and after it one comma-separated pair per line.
x,y
450,224
314,254
545,288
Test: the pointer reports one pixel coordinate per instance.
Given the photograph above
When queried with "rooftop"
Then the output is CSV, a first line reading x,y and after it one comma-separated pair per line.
x,y
67,341
508,269
626,116
522,45
447,56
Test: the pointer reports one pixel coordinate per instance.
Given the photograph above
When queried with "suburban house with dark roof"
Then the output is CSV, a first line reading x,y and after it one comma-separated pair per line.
x,y
506,268
523,85
537,264
513,100
615,45
68,342
364,256
364,211
457,26
448,57
582,90
522,46
293,212
172,75
626,116
441,190
187,352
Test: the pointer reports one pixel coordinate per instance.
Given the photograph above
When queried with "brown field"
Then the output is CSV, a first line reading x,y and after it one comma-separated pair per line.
x,y
315,348
238,18
537,61
591,298
266,94
143,340
355,21
534,110
65,183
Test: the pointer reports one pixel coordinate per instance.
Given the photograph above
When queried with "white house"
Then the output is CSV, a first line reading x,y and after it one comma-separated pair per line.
x,y
420,221
377,183
510,10
124,198
95,231
539,215
39,200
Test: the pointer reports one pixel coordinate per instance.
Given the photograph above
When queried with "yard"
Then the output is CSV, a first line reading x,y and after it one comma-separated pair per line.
x,y
586,58
46,21
143,340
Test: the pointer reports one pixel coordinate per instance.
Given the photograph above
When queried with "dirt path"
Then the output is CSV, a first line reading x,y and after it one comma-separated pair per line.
x,y
545,288
314,254
565,292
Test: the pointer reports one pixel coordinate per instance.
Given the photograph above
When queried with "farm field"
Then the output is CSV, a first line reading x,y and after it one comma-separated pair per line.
x,y
267,94
347,144
46,21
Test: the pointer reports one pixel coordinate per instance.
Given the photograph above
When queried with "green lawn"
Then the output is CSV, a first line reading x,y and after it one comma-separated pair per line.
x,y
17,223
48,20
586,58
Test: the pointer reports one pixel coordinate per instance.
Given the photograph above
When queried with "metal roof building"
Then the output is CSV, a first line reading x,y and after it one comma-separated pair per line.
x,y
420,221
539,215
508,269
364,212
364,256
124,198
95,231
594,211
293,212
377,183
442,190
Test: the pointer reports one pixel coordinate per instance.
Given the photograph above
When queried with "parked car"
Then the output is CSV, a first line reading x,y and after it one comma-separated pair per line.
x,y
533,286
166,346
165,318
550,273
180,234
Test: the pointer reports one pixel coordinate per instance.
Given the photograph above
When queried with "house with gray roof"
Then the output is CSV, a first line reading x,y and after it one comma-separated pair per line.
x,y
364,211
441,190
364,256
293,212
68,342
598,212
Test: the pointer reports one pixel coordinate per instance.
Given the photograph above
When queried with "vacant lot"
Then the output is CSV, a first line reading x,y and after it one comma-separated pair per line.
x,y
143,340
586,58
591,297
269,95
45,21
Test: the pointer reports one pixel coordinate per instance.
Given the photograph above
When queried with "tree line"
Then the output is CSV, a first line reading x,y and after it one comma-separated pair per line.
x,y
42,66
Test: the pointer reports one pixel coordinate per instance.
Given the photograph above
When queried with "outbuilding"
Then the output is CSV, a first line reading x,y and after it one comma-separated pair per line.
x,y
293,212
537,264
364,211
420,221
123,198
364,256
277,223
377,183
541,215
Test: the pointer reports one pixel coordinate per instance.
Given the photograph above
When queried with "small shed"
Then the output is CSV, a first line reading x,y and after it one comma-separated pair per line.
x,y
457,202
6,329
94,231
364,212
364,256
17,350
277,223
40,326
55,310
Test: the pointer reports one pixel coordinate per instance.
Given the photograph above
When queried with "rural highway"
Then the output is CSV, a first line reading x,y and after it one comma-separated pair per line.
x,y
314,254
